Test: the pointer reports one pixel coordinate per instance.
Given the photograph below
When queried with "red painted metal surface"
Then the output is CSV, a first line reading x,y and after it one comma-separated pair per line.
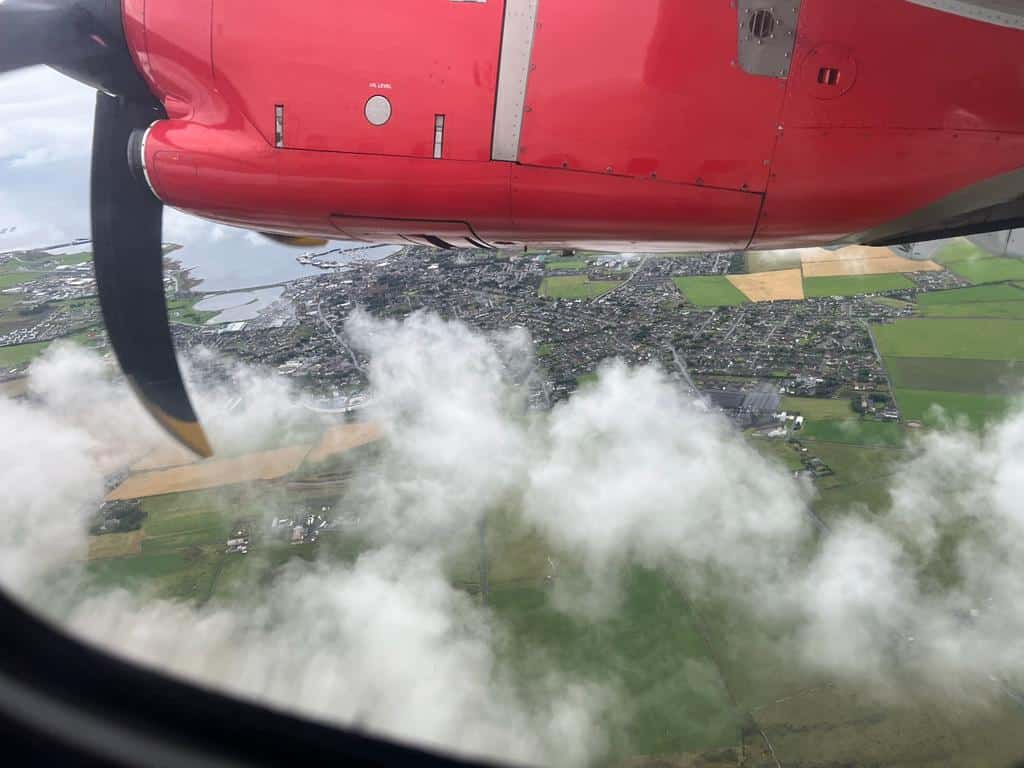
x,y
925,103
641,88
829,182
648,87
326,59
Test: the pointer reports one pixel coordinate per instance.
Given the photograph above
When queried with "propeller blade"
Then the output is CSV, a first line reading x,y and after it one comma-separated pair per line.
x,y
128,258
54,32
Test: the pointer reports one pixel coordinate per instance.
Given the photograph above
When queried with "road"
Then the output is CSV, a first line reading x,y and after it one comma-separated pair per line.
x,y
339,340
681,365
626,282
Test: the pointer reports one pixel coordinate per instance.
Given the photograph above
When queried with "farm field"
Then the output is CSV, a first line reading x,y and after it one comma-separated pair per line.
x,y
264,465
709,291
552,264
946,374
342,438
10,277
978,266
769,261
778,450
978,409
981,309
983,339
861,260
995,292
852,285
19,354
854,432
575,287
817,407
651,648
860,479
781,285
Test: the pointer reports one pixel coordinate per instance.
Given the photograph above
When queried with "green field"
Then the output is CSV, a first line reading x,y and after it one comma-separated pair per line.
x,y
992,309
184,311
873,434
852,285
575,287
859,479
74,259
577,264
979,409
982,339
945,374
10,277
977,265
710,291
652,649
778,450
817,407
997,300
998,292
19,354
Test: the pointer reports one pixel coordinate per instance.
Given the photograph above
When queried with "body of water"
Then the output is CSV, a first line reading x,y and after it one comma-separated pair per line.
x,y
244,305
236,263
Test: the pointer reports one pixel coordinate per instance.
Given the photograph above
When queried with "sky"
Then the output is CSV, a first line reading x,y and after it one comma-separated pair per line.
x,y
45,144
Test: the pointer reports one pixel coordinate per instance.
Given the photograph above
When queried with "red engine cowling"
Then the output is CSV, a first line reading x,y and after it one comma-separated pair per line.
x,y
568,123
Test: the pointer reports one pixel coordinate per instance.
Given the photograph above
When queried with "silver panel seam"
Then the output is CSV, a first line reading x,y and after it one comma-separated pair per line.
x,y
513,71
1003,13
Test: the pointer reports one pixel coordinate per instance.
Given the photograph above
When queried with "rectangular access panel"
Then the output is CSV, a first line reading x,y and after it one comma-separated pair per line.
x,y
648,88
368,76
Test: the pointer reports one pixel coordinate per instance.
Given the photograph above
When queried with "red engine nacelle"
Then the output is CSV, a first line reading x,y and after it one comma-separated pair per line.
x,y
653,125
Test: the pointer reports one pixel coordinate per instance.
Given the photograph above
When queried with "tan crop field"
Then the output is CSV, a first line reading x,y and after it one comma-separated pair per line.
x,y
264,465
341,438
169,455
115,544
860,260
779,285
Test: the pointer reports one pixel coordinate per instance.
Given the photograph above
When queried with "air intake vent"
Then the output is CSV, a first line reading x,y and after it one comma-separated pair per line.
x,y
766,34
762,24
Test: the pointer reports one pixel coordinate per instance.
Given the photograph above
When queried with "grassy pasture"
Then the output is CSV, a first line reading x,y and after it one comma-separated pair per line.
x,y
977,265
709,291
855,432
946,374
853,285
978,409
982,339
19,354
1008,310
12,277
997,292
817,407
565,264
651,649
575,287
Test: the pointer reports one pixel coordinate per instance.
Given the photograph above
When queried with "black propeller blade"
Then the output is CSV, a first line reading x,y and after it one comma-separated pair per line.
x,y
85,40
128,259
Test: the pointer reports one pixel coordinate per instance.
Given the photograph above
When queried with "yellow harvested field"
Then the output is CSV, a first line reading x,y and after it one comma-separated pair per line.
x,y
265,465
168,455
779,285
115,544
341,438
860,260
